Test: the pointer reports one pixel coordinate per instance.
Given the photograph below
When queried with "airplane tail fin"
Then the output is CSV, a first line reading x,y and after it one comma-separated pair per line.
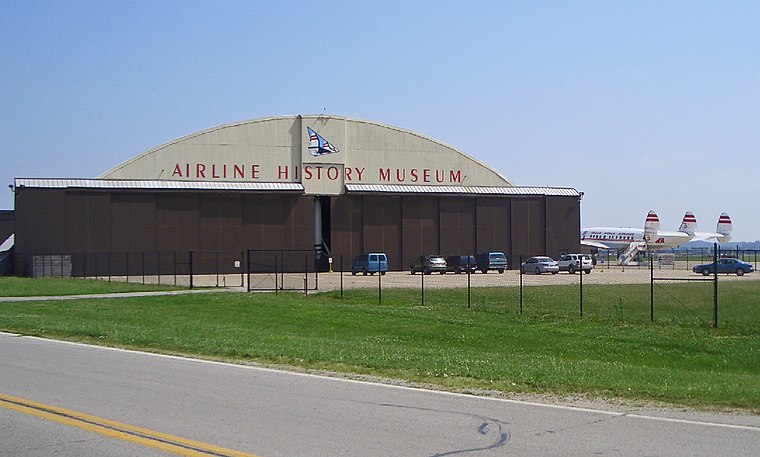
x,y
724,227
688,224
651,226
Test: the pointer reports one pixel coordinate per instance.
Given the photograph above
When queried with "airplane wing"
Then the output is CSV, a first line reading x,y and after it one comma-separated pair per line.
x,y
594,244
707,236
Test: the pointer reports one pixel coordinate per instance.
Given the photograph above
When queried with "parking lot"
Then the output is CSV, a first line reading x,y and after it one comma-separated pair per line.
x,y
510,278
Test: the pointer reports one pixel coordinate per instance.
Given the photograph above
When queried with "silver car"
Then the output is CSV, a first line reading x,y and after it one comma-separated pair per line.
x,y
539,264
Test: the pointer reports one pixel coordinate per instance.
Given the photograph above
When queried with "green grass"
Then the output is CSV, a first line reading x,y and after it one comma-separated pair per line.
x,y
30,287
613,351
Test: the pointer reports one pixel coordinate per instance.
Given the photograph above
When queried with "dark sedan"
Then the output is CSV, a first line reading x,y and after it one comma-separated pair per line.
x,y
725,265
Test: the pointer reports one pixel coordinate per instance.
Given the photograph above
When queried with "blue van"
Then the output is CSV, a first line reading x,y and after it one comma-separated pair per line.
x,y
370,263
493,260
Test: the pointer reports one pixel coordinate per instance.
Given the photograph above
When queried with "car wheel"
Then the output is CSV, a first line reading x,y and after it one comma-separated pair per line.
x,y
571,269
382,273
442,272
413,270
740,272
457,271
705,272
554,272
501,271
425,271
484,271
353,273
588,272
364,272
538,271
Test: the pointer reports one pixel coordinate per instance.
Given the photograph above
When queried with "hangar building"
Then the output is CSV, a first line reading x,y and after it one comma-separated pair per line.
x,y
335,184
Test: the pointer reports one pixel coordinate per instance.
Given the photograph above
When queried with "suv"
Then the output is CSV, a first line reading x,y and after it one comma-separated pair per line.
x,y
575,262
491,261
428,264
460,263
370,263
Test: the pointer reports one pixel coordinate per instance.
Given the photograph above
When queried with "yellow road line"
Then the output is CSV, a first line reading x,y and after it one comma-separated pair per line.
x,y
126,432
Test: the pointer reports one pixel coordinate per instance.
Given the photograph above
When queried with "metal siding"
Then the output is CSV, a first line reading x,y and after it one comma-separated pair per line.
x,y
40,221
562,225
137,184
346,232
520,232
420,227
493,225
382,228
460,190
457,226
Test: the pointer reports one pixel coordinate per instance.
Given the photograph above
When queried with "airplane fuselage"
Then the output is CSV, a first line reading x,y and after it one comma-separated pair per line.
x,y
621,238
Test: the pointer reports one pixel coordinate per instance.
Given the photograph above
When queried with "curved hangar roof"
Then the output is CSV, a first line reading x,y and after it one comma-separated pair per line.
x,y
324,154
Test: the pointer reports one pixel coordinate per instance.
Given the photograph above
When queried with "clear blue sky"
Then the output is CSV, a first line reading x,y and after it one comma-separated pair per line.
x,y
640,105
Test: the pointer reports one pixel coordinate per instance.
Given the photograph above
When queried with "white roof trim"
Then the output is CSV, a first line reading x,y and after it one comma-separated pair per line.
x,y
157,184
461,190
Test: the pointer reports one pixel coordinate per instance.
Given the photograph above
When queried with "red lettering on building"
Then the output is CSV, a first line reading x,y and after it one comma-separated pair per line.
x,y
385,174
455,176
200,170
333,173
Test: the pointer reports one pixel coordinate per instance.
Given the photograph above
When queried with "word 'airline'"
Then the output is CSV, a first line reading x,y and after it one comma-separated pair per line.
x,y
634,240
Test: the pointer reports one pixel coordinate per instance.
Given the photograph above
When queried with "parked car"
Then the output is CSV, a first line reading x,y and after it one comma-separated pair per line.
x,y
373,262
461,263
539,264
725,265
428,264
575,262
493,260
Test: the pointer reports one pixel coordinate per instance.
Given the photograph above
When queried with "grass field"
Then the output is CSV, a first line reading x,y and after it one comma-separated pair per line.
x,y
27,287
613,351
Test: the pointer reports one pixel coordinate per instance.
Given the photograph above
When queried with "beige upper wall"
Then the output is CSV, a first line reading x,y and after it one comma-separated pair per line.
x,y
276,150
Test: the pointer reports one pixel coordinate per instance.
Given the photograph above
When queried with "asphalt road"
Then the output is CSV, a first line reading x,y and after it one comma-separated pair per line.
x,y
273,413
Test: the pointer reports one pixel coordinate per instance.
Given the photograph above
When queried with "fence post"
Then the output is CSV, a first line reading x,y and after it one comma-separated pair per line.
x,y
341,276
422,281
248,269
581,286
468,282
191,268
379,288
175,268
651,289
306,274
521,286
242,271
715,285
